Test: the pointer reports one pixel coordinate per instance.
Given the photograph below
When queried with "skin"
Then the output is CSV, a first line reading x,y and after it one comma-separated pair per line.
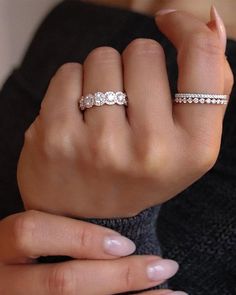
x,y
101,156
61,134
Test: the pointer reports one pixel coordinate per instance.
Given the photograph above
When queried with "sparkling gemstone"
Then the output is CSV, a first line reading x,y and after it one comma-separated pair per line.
x,y
88,101
99,98
222,102
184,100
120,97
110,98
202,100
190,100
213,101
208,100
82,107
196,100
218,101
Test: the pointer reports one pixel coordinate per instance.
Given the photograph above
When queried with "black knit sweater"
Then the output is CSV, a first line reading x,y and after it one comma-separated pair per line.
x,y
198,227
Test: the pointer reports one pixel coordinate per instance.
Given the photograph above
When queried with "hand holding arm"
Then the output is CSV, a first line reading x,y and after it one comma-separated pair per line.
x,y
94,270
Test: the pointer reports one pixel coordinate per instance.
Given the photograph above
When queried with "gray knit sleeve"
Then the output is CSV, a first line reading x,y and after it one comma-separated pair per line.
x,y
141,229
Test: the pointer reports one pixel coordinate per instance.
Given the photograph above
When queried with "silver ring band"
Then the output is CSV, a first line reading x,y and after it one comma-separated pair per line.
x,y
102,98
201,98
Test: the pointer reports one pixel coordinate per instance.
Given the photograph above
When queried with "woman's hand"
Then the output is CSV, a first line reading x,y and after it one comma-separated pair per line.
x,y
113,163
94,270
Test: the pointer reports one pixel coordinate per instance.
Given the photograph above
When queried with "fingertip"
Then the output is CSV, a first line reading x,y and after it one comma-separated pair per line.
x,y
118,245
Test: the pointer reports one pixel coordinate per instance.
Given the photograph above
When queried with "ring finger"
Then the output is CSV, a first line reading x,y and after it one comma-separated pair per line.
x,y
102,73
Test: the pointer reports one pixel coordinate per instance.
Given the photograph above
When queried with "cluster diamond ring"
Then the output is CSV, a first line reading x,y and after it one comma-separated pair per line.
x,y
102,98
201,98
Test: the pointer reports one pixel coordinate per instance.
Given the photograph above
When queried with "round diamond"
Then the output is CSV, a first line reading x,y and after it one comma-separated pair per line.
x,y
99,99
177,99
196,100
213,101
120,98
202,100
184,100
189,100
81,104
88,101
208,100
110,98
218,101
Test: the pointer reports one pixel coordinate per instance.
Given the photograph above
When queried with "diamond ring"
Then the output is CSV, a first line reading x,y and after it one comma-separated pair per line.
x,y
201,98
101,98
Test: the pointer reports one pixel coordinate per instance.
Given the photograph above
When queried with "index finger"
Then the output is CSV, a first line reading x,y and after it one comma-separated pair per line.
x,y
201,61
33,234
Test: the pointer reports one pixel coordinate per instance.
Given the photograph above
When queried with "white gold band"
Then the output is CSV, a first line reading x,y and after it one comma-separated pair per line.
x,y
102,98
201,98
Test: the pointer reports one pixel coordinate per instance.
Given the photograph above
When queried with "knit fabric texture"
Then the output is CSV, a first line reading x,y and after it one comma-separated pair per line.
x,y
198,227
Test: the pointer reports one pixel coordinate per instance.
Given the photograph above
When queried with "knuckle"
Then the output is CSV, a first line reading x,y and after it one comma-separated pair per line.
x,y
128,277
151,157
103,53
58,143
23,232
206,157
143,46
28,135
61,280
103,150
206,42
84,238
32,130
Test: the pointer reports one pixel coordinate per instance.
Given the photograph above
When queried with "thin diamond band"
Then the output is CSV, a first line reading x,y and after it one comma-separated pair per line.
x,y
101,98
201,98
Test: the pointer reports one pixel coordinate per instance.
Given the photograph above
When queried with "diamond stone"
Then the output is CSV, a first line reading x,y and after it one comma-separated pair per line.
x,y
218,101
110,98
202,100
184,100
120,97
208,101
189,100
213,101
99,99
88,101
82,106
196,100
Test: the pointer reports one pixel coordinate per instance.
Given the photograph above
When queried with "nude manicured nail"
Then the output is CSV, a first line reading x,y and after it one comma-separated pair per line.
x,y
118,245
164,11
219,26
162,269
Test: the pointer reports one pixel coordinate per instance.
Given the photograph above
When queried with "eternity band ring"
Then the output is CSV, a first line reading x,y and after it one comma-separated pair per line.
x,y
201,98
103,98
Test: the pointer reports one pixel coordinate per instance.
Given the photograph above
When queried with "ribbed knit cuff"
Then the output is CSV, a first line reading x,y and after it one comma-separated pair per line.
x,y
141,229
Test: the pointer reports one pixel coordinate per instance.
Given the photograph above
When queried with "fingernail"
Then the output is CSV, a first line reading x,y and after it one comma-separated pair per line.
x,y
177,293
164,11
118,245
219,26
162,269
